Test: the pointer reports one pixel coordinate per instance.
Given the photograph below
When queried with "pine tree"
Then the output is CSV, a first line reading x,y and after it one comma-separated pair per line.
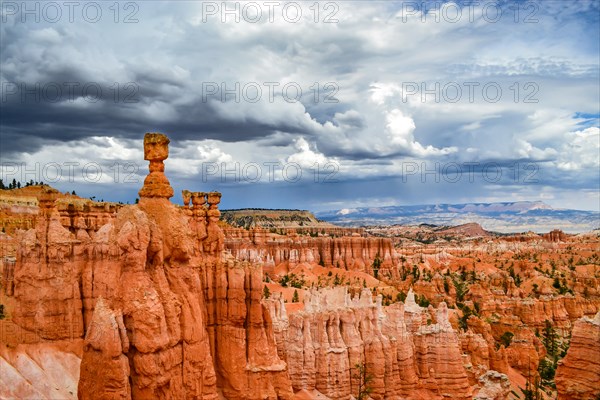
x,y
376,265
364,380
549,338
295,297
266,292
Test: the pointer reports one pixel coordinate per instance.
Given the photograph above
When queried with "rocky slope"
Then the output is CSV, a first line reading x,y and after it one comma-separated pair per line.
x,y
349,252
162,310
334,336
154,300
577,376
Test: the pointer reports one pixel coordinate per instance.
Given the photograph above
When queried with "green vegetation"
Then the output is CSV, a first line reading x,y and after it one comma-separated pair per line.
x,y
422,300
532,392
467,312
554,352
292,280
295,297
401,296
266,292
376,265
337,280
535,290
516,278
506,338
416,272
461,288
446,286
549,339
364,381
17,185
561,286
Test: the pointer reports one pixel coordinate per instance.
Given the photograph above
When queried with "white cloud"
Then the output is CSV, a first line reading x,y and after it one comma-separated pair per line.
x,y
400,130
369,55
581,150
305,156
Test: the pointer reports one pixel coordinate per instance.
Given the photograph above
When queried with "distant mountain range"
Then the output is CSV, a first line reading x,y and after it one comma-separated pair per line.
x,y
509,217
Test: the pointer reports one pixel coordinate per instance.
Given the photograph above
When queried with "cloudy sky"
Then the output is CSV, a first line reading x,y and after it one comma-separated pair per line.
x,y
318,105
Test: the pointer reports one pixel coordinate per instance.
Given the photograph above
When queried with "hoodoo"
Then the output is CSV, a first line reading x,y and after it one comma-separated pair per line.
x,y
161,301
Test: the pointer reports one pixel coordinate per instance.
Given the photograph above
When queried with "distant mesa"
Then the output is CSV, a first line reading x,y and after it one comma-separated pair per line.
x,y
471,229
505,217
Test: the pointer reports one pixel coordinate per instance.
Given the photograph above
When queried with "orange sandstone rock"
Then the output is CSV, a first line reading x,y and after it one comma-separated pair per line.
x,y
578,374
324,343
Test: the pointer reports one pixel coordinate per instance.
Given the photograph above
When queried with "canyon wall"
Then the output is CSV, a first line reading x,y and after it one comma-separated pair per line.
x,y
578,374
354,253
406,350
163,311
156,300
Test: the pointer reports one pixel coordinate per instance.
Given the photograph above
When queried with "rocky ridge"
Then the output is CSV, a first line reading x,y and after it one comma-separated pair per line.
x,y
156,300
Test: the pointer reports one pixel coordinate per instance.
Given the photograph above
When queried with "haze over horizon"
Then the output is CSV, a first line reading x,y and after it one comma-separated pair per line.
x,y
401,102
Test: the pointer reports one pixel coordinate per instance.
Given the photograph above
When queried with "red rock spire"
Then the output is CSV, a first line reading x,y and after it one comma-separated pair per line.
x,y
156,150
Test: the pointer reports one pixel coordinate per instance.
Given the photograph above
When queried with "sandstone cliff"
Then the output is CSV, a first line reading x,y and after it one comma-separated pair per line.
x,y
164,312
352,253
404,353
578,374
156,300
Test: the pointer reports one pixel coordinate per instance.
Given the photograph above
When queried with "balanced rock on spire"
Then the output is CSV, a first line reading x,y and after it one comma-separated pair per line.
x,y
156,150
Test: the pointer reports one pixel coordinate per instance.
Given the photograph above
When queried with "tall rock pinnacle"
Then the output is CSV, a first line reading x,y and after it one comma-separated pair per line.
x,y
156,150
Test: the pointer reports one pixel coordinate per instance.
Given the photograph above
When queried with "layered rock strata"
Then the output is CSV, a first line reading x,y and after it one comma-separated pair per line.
x,y
335,335
165,313
353,253
578,374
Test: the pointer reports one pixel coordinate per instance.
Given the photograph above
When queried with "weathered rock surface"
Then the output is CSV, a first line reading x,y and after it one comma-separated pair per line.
x,y
40,371
353,253
326,342
578,374
495,386
158,301
164,312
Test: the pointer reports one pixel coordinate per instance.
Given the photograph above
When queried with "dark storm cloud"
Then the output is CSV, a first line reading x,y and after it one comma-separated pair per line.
x,y
27,113
371,130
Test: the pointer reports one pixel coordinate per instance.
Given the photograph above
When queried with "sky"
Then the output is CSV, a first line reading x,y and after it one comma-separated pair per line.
x,y
311,105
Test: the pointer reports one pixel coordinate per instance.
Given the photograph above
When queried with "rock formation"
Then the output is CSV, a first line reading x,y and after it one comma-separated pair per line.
x,y
555,236
578,374
164,312
39,371
495,386
326,343
353,253
155,300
